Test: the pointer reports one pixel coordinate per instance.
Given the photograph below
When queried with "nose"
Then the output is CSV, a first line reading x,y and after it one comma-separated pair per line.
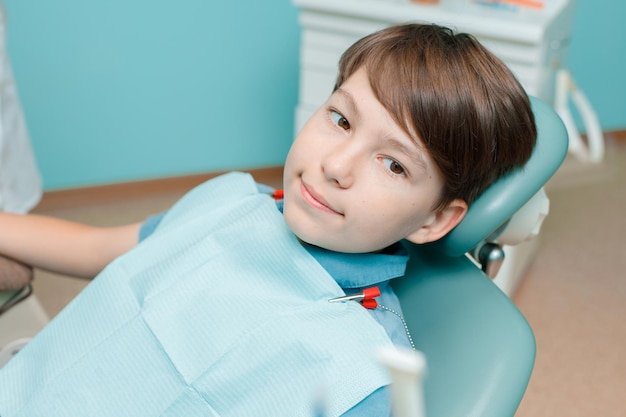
x,y
340,164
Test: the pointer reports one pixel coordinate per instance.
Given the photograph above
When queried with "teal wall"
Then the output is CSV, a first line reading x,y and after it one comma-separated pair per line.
x,y
123,90
597,59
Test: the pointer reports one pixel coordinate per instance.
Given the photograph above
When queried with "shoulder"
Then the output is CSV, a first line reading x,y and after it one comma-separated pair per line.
x,y
152,222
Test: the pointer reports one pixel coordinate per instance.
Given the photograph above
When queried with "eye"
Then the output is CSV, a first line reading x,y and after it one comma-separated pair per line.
x,y
339,120
393,166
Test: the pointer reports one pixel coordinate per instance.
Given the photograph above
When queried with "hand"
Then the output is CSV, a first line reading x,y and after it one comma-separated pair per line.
x,y
14,275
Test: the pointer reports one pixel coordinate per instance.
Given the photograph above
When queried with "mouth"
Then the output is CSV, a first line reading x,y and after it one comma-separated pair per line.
x,y
315,200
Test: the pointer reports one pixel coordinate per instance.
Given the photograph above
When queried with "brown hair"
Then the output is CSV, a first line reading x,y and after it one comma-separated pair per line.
x,y
446,89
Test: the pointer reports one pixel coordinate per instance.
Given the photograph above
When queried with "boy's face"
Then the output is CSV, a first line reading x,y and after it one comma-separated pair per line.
x,y
356,182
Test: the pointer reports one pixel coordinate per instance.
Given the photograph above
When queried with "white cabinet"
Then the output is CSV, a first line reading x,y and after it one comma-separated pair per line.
x,y
532,42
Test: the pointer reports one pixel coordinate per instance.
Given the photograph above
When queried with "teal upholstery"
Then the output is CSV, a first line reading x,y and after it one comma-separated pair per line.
x,y
479,348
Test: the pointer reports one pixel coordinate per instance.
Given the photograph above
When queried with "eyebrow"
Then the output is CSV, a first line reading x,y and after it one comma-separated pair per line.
x,y
413,152
350,101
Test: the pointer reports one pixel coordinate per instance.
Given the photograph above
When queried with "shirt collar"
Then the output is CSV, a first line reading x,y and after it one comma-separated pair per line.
x,y
358,270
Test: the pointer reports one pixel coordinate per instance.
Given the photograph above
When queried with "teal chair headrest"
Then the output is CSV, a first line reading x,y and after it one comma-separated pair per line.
x,y
506,196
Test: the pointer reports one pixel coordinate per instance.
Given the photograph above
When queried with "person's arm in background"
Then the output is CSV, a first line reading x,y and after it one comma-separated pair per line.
x,y
62,246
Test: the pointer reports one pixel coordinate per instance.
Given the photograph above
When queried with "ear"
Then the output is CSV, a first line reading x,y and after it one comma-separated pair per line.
x,y
440,223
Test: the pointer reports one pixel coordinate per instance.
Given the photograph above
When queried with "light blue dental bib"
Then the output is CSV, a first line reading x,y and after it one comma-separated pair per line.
x,y
166,330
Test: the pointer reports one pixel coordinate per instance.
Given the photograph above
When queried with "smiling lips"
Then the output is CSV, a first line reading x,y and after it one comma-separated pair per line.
x,y
315,200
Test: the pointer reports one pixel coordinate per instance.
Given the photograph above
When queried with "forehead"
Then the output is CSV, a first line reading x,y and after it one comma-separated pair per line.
x,y
394,103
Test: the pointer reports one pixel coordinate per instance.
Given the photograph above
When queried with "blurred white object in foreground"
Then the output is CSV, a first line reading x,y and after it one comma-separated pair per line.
x,y
407,368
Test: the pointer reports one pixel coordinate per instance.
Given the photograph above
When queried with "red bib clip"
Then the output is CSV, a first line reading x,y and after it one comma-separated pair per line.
x,y
278,195
366,297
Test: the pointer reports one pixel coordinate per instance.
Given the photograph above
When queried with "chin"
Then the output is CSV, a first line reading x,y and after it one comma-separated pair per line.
x,y
322,243
335,246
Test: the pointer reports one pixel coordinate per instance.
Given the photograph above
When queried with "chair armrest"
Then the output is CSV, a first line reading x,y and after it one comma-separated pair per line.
x,y
9,299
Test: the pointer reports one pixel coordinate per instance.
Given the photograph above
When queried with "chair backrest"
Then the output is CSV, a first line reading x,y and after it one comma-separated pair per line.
x,y
500,201
479,348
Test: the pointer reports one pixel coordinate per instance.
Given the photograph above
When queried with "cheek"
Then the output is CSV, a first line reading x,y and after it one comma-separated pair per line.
x,y
395,220
294,158
299,147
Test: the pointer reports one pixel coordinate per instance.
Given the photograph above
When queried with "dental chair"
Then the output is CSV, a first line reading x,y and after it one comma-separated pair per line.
x,y
479,348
